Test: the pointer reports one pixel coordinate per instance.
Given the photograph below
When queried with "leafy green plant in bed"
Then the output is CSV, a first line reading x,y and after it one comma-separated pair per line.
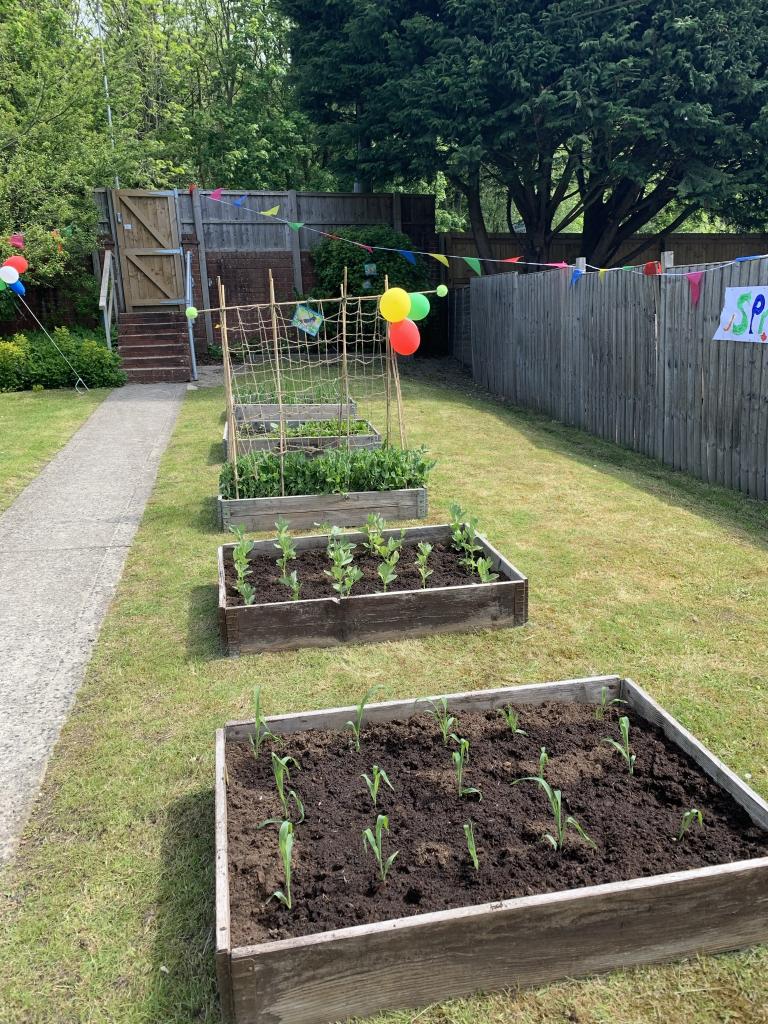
x,y
623,747
343,573
424,550
374,838
460,760
261,730
240,552
512,719
374,781
562,822
446,722
390,556
337,471
484,566
469,835
692,816
285,845
357,723
464,537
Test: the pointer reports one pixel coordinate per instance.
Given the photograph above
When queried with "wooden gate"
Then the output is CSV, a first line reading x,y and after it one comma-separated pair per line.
x,y
149,249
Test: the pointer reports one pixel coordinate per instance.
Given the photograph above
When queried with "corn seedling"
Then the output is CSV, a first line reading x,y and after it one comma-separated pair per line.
x,y
691,817
464,537
605,704
562,824
292,582
373,784
285,545
512,720
469,833
623,747
424,551
438,709
357,725
484,566
386,569
543,761
342,572
282,771
285,843
240,553
460,760
374,839
261,729
373,530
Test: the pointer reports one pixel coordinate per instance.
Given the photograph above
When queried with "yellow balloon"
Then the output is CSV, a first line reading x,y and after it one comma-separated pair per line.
x,y
395,305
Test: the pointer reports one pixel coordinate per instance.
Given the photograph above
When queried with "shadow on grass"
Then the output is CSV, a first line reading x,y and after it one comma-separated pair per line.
x,y
729,509
203,642
183,988
206,518
215,454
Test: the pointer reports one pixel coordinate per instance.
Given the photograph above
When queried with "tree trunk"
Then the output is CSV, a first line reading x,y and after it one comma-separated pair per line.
x,y
477,223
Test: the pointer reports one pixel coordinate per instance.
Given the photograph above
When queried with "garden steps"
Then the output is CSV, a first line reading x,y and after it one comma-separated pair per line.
x,y
154,347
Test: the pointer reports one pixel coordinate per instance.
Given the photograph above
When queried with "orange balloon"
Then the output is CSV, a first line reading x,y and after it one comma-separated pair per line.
x,y
404,337
18,263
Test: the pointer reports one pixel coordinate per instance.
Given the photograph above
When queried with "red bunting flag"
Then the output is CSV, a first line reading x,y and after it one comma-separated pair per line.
x,y
652,268
694,283
192,186
17,240
216,194
512,259
560,266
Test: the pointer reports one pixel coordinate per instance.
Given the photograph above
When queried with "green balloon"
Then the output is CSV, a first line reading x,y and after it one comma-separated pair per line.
x,y
441,290
419,306
3,285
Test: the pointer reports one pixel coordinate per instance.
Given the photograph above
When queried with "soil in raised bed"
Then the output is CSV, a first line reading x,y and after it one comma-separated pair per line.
x,y
633,819
264,576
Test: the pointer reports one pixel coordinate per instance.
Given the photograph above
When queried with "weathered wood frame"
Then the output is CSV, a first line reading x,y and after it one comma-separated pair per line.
x,y
303,411
372,618
529,941
305,510
310,446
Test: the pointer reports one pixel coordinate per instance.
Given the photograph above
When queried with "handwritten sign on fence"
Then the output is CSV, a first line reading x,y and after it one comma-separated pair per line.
x,y
745,315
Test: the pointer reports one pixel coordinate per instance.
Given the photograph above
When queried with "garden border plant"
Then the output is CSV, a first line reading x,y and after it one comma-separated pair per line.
x,y
310,444
389,614
337,487
532,940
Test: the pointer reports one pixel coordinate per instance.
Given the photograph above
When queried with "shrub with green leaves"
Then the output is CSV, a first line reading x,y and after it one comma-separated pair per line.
x,y
30,361
337,471
332,257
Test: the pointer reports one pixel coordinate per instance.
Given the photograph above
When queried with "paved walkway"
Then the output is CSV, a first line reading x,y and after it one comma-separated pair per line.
x,y
63,544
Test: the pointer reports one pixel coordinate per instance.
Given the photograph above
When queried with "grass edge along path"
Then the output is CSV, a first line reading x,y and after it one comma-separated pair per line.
x,y
108,912
34,426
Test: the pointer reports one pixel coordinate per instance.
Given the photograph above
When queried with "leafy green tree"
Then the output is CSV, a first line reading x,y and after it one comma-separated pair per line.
x,y
330,258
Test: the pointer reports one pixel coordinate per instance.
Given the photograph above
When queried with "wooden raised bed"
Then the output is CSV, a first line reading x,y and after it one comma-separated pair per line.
x,y
310,446
305,510
534,940
372,618
302,412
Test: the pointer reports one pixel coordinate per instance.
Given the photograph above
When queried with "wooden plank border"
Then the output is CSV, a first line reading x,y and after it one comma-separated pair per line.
x,y
526,941
310,446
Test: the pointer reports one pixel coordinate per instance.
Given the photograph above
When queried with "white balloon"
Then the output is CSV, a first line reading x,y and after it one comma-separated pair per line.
x,y
9,274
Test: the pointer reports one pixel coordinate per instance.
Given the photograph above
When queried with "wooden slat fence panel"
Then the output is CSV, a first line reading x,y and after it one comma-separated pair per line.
x,y
630,359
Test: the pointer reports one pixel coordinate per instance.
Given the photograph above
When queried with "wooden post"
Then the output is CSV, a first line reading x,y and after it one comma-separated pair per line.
x,y
344,367
396,376
278,379
388,364
202,264
667,260
292,206
581,264
231,418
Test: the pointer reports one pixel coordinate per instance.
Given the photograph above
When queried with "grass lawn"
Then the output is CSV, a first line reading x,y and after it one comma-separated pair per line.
x,y
108,911
33,426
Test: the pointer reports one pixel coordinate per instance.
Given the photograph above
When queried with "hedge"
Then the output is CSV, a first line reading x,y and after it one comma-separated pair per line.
x,y
31,361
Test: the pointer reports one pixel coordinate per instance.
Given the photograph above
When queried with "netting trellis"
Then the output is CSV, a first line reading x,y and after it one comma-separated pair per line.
x,y
291,390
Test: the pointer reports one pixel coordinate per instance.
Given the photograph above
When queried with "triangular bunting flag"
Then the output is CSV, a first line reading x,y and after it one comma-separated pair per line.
x,y
601,274
240,201
17,240
474,263
295,225
440,258
367,248
67,232
192,186
694,283
745,259
216,194
652,268
512,259
575,275
271,212
407,255
560,266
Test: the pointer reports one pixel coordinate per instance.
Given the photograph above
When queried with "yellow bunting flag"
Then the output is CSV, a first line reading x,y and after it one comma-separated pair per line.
x,y
440,258
271,212
601,274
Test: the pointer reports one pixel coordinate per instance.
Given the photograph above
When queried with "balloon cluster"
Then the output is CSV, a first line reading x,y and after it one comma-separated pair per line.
x,y
10,272
401,309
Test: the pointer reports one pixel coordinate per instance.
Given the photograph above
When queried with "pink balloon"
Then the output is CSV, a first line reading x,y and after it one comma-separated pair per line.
x,y
404,337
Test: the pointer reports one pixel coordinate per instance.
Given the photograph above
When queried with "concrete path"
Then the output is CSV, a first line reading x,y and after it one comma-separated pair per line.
x,y
63,544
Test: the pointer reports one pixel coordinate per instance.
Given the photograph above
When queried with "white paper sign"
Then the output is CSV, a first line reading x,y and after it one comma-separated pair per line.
x,y
745,314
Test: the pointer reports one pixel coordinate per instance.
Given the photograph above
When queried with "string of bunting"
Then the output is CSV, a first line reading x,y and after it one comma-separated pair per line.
x,y
652,268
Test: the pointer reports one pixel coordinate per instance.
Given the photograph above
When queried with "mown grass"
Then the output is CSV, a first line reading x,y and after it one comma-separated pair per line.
x,y
108,910
33,426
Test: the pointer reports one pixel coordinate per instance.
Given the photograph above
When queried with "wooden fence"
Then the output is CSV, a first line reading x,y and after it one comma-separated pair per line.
x,y
630,359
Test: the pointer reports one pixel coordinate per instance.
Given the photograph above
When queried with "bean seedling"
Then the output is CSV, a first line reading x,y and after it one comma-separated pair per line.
x,y
285,842
386,569
483,566
285,545
424,551
623,747
358,722
605,704
562,824
373,784
464,537
282,772
240,553
469,833
460,760
261,730
373,530
342,572
691,817
439,711
512,719
292,582
374,839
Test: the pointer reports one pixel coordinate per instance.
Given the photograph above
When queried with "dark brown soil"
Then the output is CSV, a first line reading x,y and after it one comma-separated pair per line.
x,y
310,566
633,819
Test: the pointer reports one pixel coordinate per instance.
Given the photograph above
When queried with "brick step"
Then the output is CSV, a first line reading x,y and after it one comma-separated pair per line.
x,y
163,331
159,351
155,317
154,362
167,375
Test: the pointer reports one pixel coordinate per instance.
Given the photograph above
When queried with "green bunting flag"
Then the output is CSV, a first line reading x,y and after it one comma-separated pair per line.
x,y
474,263
295,225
